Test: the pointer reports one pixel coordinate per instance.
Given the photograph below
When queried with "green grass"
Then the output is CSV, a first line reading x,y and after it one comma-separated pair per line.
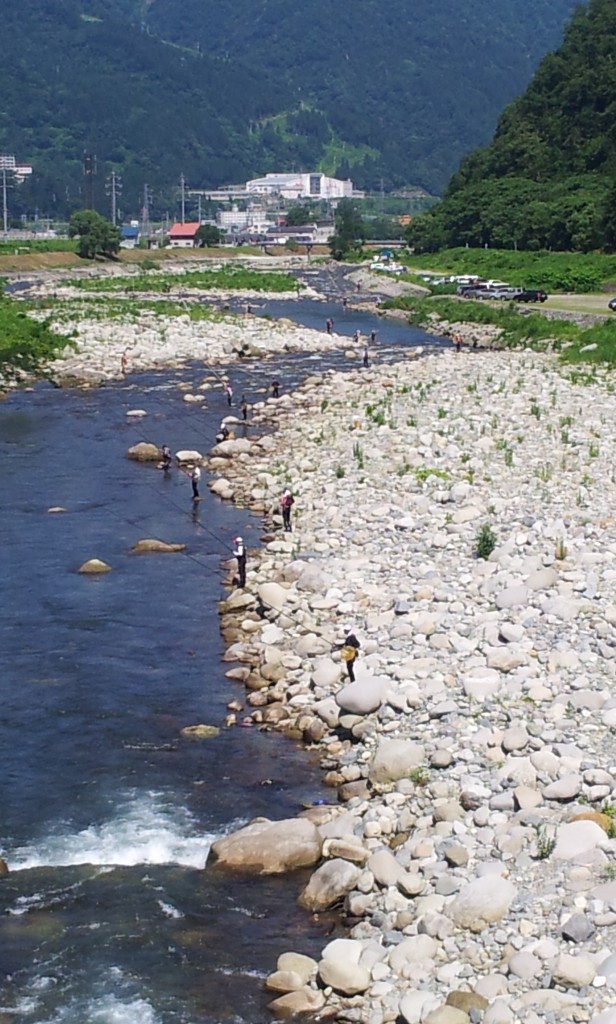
x,y
228,278
24,343
532,330
19,245
553,271
103,308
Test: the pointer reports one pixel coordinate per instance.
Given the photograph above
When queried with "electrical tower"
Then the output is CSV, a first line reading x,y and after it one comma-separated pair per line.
x,y
89,173
113,188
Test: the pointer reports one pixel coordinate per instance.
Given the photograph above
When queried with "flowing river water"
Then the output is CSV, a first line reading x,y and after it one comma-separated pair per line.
x,y
106,813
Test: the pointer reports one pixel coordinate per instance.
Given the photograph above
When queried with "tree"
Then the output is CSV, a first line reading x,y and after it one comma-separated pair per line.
x,y
299,214
350,231
208,234
96,236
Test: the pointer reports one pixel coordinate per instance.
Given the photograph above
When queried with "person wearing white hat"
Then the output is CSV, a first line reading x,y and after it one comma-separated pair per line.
x,y
349,650
195,477
240,554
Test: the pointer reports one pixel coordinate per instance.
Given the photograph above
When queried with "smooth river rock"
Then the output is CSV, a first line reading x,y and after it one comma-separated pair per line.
x,y
267,847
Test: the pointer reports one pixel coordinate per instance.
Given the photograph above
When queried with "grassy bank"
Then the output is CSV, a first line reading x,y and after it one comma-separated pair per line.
x,y
226,278
596,344
553,271
104,308
24,343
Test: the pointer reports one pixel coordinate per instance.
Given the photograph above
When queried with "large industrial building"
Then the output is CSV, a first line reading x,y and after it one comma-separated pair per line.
x,y
300,186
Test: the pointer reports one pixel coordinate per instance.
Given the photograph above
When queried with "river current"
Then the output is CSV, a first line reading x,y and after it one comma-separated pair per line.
x,y
106,812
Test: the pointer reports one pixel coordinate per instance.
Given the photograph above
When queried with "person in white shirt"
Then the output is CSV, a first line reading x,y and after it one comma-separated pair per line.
x,y
195,477
239,552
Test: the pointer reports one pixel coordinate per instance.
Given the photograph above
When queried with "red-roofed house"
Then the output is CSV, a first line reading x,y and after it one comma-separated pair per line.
x,y
183,236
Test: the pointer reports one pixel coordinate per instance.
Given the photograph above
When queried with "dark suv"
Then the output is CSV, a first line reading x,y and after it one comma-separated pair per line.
x,y
531,295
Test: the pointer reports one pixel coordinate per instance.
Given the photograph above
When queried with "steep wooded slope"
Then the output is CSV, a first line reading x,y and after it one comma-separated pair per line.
x,y
546,180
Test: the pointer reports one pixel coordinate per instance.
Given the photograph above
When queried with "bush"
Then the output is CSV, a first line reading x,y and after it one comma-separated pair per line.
x,y
485,542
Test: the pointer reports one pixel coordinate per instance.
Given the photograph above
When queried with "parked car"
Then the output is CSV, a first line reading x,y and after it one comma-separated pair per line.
x,y
612,305
472,291
509,293
531,295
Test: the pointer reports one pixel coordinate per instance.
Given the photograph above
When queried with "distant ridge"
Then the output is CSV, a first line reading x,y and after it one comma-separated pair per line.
x,y
222,90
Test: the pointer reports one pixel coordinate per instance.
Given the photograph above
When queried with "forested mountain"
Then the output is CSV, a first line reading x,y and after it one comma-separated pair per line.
x,y
397,90
548,179
221,90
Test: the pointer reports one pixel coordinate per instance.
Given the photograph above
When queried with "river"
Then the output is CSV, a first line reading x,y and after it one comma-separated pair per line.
x,y
106,812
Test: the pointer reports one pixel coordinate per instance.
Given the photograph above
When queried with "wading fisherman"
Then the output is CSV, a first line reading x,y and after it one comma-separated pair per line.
x,y
240,555
166,451
275,389
195,477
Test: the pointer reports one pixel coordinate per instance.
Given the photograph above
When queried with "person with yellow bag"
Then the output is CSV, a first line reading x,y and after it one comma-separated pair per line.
x,y
349,650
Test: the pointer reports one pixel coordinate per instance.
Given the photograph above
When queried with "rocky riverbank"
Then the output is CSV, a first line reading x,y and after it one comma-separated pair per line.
x,y
150,341
470,838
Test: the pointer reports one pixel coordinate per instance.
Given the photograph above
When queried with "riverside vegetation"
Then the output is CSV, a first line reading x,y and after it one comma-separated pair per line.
x,y
595,344
553,271
34,331
546,179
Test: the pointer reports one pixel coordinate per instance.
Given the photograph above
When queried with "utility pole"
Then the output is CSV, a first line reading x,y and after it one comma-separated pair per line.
x,y
145,211
113,188
5,208
199,206
89,172
183,197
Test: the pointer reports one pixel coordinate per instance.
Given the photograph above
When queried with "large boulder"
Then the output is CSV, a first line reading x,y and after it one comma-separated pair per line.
x,y
273,596
482,901
267,847
150,544
577,838
330,883
341,969
395,759
144,452
304,1000
94,566
229,449
364,695
313,578
189,455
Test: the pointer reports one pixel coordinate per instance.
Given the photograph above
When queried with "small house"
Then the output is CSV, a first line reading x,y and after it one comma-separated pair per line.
x,y
184,236
129,236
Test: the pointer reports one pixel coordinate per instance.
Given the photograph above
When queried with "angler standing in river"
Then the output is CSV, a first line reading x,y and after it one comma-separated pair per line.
x,y
239,553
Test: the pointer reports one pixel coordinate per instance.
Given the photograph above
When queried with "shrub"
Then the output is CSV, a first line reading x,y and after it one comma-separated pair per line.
x,y
485,541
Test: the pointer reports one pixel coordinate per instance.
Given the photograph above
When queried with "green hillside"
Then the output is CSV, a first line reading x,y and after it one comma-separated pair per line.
x,y
547,178
410,86
221,91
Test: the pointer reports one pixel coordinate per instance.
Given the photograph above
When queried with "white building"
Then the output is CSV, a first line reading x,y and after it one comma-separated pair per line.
x,y
254,221
300,186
